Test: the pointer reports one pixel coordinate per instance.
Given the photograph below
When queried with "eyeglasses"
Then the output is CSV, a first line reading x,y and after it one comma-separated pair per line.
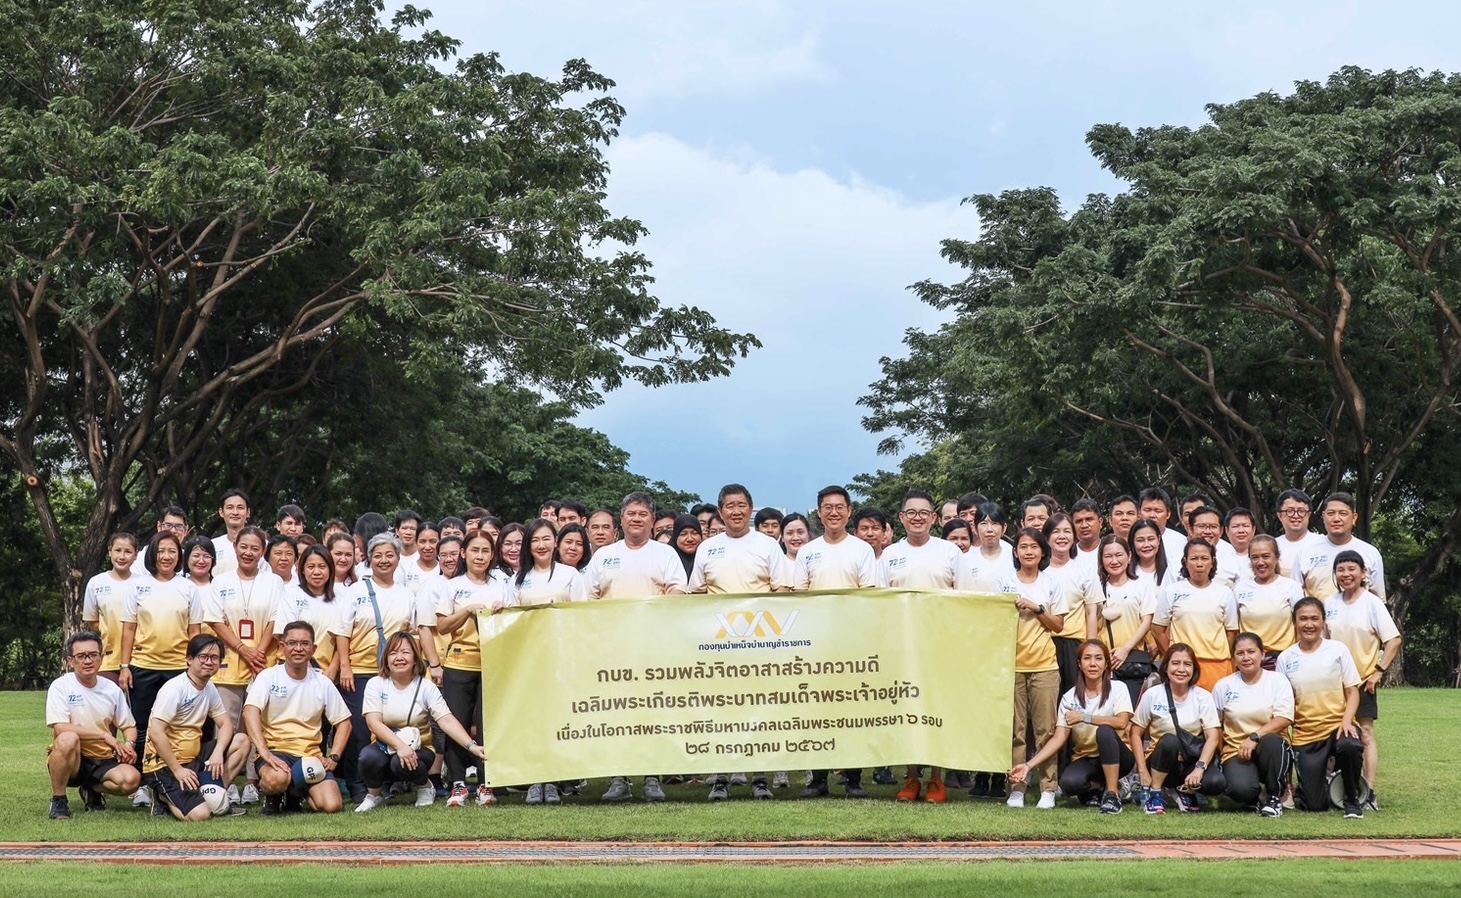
x,y
1293,512
917,514
210,659
86,656
176,528
297,643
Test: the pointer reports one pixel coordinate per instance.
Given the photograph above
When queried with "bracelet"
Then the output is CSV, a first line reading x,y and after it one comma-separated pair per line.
x,y
435,666
1380,669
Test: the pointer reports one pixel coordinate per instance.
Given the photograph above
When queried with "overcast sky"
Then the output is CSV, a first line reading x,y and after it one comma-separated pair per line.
x,y
797,164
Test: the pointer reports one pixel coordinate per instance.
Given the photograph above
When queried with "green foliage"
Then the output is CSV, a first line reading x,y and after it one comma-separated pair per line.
x,y
208,209
1272,302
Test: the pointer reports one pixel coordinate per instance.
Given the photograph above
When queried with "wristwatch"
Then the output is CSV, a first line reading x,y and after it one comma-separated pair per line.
x,y
1253,736
334,757
1040,610
1201,765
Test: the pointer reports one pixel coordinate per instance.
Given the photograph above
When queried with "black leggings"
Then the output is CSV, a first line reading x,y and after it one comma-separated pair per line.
x,y
1084,775
145,686
1267,770
462,690
1164,759
378,768
1313,768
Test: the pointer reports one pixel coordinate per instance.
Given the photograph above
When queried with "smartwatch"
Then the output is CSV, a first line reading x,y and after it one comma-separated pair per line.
x,y
1201,765
334,757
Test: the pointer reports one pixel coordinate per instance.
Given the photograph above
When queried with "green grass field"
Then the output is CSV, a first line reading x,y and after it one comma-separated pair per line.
x,y
1278,879
1418,785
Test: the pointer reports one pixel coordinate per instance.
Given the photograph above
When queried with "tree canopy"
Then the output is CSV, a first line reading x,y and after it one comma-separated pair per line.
x,y
208,208
1271,302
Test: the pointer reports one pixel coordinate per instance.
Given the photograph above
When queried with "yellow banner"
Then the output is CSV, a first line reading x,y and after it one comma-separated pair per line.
x,y
715,684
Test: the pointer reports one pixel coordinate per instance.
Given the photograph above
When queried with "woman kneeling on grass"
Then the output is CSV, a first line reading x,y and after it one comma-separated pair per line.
x,y
403,696
1257,708
1092,717
1326,699
1185,732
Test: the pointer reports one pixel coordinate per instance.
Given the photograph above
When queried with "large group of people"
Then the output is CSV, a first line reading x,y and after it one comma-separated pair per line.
x,y
1205,663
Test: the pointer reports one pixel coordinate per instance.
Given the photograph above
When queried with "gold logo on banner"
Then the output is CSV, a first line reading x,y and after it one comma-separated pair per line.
x,y
745,624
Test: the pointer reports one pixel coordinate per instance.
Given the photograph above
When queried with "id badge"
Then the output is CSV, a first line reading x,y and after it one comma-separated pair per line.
x,y
246,630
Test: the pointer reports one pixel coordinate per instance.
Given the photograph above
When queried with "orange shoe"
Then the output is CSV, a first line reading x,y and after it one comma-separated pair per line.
x,y
911,788
936,793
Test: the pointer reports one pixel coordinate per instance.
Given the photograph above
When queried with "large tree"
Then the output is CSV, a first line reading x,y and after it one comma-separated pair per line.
x,y
1271,302
198,195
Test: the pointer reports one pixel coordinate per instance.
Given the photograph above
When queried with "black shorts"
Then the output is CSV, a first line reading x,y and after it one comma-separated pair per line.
x,y
167,789
1369,705
259,765
92,771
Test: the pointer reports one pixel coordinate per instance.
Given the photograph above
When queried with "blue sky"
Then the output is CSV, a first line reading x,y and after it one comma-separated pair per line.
x,y
798,163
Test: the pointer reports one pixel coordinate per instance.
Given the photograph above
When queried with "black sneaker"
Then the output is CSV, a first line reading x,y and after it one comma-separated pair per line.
x,y
980,789
159,807
92,800
236,810
1273,807
1110,803
273,805
60,808
1353,811
998,785
855,789
815,789
883,776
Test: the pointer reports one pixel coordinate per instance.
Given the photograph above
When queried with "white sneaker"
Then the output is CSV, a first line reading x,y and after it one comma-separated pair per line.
x,y
738,779
1016,800
1047,801
458,796
233,798
250,794
471,774
425,796
781,781
370,803
142,798
485,797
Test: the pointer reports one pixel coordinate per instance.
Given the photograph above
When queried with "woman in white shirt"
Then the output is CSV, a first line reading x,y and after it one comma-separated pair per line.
x,y
397,701
542,579
1127,605
1092,718
1257,709
1167,712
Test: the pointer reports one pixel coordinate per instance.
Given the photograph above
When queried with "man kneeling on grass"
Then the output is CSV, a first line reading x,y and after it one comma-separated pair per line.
x,y
85,712
177,763
285,714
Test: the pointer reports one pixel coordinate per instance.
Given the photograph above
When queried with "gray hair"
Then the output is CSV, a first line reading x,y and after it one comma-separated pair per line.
x,y
637,498
385,539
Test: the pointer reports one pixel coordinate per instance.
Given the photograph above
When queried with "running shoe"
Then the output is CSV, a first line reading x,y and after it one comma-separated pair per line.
x,y
1353,811
651,790
719,790
550,794
425,796
759,790
458,797
1155,803
370,803
486,798
1047,801
142,798
855,789
1110,803
535,794
883,776
1271,808
739,779
1187,802
936,792
250,794
60,807
619,790
1015,800
781,781
92,800
912,788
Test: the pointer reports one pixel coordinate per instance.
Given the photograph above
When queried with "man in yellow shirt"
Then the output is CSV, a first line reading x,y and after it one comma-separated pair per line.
x,y
85,712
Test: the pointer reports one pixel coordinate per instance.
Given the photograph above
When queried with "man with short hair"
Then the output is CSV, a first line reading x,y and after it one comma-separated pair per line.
x,y
948,512
835,560
868,524
1156,505
1294,511
923,561
572,512
171,519
1190,504
473,517
1036,510
285,715
664,524
1124,515
601,529
768,521
290,521
85,712
740,560
703,512
234,510
1241,528
968,504
1085,520
176,756
549,511
408,525
1314,568
451,526
1206,522
635,567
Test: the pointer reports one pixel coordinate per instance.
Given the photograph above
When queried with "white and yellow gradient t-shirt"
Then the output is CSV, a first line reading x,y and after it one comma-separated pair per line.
x,y
184,708
1200,617
103,706
561,583
397,613
1080,588
1123,607
464,647
937,564
1196,712
105,602
1083,735
1245,708
405,707
330,619
750,563
1268,610
294,711
1363,625
248,607
163,610
1319,679
1034,645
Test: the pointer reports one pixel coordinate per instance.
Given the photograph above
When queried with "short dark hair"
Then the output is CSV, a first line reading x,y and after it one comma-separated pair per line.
x,y
475,513
990,511
1308,602
868,513
407,514
81,636
1123,499
1341,497
1195,497
1039,499
551,503
833,490
1086,503
1206,509
575,506
453,521
660,514
172,511
1155,494
290,513
299,625
767,514
925,495
198,643
733,489
152,544
1199,543
1191,653
370,525
1040,539
971,500
700,508
236,493
1297,495
1239,512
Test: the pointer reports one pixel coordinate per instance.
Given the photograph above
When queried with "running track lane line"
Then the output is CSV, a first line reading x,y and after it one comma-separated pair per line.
x,y
502,852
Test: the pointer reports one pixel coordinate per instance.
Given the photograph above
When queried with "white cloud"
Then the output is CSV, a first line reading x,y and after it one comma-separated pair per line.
x,y
818,267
